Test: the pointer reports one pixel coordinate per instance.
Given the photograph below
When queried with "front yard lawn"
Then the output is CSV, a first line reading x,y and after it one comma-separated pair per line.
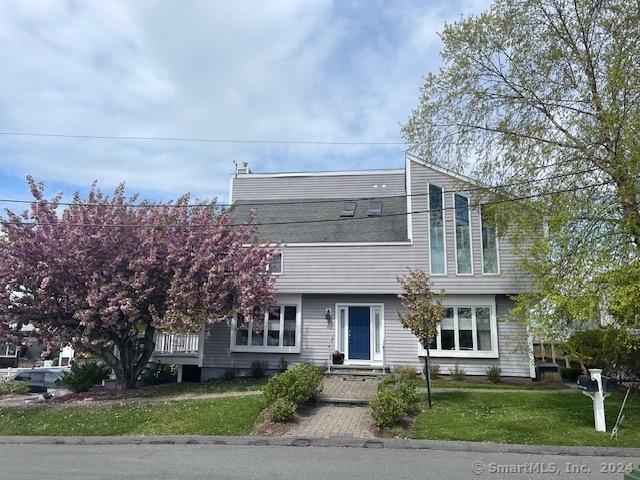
x,y
438,383
219,416
212,386
527,418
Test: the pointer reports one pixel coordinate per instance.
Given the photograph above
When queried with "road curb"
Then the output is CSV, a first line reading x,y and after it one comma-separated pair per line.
x,y
324,442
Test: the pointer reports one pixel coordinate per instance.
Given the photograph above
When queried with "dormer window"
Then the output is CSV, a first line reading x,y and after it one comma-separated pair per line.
x,y
348,208
375,207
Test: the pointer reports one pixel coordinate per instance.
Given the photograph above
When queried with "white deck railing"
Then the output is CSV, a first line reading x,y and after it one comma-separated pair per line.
x,y
177,343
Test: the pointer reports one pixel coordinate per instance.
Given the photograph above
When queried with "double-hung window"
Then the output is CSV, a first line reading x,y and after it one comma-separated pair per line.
x,y
437,248
490,246
278,331
464,261
8,350
276,264
468,329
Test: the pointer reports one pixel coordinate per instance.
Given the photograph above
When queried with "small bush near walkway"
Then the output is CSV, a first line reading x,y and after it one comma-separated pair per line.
x,y
82,377
15,388
396,398
282,410
298,386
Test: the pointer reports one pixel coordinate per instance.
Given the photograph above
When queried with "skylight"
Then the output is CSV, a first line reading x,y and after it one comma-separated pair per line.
x,y
348,208
375,207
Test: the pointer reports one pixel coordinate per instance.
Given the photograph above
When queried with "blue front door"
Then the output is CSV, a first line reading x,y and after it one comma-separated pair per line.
x,y
359,333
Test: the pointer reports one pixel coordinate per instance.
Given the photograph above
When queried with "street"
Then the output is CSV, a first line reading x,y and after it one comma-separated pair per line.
x,y
186,462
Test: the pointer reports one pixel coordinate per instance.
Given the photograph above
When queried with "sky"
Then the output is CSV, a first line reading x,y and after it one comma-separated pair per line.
x,y
344,71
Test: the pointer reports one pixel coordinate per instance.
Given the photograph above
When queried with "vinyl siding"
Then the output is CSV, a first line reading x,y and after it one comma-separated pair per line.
x,y
375,268
400,346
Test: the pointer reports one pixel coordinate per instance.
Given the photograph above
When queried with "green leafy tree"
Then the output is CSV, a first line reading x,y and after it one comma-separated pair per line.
x,y
422,313
542,97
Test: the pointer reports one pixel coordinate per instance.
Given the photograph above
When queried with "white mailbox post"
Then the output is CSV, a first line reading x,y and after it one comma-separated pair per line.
x,y
595,388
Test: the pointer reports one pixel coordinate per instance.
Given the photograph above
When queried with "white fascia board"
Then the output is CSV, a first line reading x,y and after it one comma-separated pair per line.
x,y
321,174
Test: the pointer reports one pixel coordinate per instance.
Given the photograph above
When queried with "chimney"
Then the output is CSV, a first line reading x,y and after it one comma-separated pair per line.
x,y
244,168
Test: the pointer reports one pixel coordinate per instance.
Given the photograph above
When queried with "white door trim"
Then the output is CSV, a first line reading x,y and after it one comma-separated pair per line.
x,y
372,360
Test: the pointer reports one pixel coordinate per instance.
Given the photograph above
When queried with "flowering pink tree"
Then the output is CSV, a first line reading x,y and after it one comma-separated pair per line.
x,y
103,273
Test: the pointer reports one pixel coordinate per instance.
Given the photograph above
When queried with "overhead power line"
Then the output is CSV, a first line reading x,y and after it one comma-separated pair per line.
x,y
295,222
488,188
198,140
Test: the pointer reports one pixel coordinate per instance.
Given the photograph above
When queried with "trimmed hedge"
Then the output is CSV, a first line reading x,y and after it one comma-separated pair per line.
x,y
282,410
295,387
397,396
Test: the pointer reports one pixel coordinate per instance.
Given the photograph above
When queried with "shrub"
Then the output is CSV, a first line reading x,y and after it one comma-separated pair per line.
x,y
157,374
458,373
229,374
387,408
17,388
283,364
434,370
570,373
549,378
408,372
258,368
615,350
82,377
401,386
282,410
298,385
493,374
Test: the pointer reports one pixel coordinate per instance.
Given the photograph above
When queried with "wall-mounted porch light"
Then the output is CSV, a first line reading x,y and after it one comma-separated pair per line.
x,y
327,315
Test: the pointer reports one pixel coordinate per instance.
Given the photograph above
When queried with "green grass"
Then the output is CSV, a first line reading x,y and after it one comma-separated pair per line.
x,y
220,416
498,386
213,386
526,418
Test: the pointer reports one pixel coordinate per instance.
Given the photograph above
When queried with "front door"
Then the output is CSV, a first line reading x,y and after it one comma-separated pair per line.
x,y
359,333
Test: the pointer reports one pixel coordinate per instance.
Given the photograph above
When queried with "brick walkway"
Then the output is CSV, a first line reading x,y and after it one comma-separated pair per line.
x,y
334,421
354,388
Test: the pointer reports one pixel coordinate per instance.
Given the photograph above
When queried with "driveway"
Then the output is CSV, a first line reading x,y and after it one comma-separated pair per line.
x,y
188,462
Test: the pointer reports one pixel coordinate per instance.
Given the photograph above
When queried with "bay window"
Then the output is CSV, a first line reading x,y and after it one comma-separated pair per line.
x,y
437,248
278,332
462,232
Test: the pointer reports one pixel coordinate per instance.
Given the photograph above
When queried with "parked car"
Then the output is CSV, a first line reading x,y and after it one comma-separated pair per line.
x,y
40,379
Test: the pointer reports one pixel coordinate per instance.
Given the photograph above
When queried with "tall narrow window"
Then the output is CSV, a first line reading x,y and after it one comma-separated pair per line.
x,y
275,264
377,333
489,247
290,313
483,328
436,231
273,328
465,329
242,331
463,235
447,331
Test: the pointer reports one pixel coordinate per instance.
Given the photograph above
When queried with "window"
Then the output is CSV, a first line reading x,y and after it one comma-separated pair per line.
x,y
468,329
447,331
490,262
275,264
465,329
279,331
483,328
348,208
463,235
437,255
375,207
7,350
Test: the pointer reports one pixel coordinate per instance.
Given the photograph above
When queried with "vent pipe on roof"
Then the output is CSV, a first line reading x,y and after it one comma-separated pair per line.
x,y
244,168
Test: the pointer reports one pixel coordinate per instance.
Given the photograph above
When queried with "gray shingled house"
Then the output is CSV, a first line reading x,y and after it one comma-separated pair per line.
x,y
345,237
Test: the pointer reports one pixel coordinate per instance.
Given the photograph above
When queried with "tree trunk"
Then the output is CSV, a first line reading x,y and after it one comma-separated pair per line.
x,y
427,363
628,197
131,358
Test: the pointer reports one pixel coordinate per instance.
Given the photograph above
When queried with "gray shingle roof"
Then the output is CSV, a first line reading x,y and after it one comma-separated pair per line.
x,y
390,227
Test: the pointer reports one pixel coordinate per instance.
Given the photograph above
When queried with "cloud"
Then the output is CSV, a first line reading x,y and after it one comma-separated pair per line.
x,y
311,70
